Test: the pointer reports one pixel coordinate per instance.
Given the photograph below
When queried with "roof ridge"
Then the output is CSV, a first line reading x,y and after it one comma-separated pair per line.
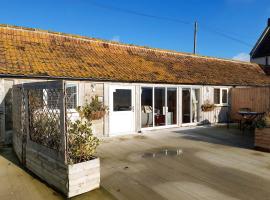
x,y
86,38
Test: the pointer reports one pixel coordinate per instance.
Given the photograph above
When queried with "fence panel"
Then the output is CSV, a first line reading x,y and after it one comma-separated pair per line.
x,y
257,99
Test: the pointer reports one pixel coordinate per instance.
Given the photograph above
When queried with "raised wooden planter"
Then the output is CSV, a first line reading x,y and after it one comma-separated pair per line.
x,y
262,139
83,177
71,180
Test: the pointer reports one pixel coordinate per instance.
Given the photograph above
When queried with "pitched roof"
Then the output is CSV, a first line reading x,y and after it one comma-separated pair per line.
x,y
34,53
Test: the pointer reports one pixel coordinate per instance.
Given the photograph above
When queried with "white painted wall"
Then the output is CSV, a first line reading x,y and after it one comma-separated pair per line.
x,y
261,60
101,127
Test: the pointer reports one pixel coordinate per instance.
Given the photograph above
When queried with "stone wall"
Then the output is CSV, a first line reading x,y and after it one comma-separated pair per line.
x,y
262,139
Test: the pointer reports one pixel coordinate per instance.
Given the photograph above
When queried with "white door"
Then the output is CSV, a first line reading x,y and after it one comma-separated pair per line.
x,y
121,115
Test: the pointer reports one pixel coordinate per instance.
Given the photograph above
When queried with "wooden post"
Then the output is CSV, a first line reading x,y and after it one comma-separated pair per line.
x,y
195,38
26,118
63,128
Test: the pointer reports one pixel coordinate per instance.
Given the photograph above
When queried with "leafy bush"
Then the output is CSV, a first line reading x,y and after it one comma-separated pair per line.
x,y
263,122
81,142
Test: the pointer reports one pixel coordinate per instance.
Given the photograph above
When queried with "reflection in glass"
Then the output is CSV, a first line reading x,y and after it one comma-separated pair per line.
x,y
147,107
224,96
186,105
195,96
160,106
122,100
216,96
172,106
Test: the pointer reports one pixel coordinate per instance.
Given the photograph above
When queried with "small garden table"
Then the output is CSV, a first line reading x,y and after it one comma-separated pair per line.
x,y
249,118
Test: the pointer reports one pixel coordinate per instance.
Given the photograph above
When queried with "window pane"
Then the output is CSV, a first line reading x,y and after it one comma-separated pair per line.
x,y
186,106
216,96
224,96
160,106
147,107
172,106
53,98
122,100
71,93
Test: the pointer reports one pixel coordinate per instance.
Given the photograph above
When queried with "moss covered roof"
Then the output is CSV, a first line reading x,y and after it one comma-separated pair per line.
x,y
36,53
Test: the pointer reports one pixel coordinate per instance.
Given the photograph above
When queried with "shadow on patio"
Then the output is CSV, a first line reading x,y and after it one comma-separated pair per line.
x,y
16,182
220,135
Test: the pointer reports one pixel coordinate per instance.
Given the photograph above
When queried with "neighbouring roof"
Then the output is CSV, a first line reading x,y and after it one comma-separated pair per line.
x,y
262,46
34,53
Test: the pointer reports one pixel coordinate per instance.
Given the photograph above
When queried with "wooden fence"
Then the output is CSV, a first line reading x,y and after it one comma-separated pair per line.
x,y
257,99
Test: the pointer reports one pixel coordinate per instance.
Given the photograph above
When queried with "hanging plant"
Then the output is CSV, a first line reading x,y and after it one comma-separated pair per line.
x,y
94,110
207,106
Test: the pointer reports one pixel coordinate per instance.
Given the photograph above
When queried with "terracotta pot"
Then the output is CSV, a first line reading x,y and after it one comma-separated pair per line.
x,y
207,109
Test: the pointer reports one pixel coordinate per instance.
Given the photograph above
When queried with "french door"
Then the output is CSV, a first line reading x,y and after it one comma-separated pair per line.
x,y
190,105
158,106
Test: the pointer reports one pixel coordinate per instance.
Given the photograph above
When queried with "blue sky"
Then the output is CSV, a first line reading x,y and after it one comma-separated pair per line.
x,y
241,19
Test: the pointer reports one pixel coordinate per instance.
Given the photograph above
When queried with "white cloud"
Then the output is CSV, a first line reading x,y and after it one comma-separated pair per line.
x,y
242,57
116,38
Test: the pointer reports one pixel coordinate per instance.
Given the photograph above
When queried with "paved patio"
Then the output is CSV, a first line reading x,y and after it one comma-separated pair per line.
x,y
201,163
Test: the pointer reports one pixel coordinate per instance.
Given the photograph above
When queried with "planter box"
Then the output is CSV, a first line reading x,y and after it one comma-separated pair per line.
x,y
262,139
71,180
83,177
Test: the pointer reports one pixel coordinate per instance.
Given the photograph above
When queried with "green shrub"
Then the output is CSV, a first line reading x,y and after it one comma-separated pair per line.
x,y
82,143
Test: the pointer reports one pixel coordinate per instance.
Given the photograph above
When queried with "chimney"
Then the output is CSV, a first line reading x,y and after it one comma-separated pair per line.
x,y
268,23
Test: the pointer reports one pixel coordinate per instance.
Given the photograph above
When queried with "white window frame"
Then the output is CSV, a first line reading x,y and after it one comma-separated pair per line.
x,y
220,96
70,84
165,86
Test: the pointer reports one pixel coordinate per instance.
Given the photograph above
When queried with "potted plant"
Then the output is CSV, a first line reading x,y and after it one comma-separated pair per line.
x,y
83,165
262,133
92,111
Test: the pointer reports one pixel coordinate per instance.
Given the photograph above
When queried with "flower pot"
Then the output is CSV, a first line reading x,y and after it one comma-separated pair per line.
x,y
206,108
96,115
262,139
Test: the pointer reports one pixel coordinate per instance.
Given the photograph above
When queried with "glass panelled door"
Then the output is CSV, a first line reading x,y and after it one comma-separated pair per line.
x,y
171,106
147,107
186,105
160,109
158,106
190,105
195,101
